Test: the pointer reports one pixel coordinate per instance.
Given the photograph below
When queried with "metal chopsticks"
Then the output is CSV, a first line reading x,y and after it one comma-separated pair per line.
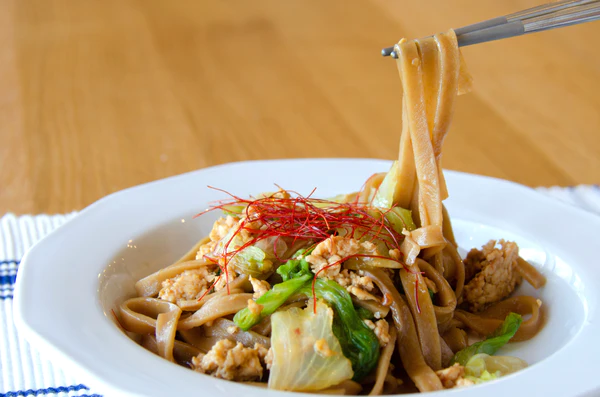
x,y
536,19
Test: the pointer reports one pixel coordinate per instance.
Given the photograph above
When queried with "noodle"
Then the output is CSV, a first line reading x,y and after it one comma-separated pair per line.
x,y
456,339
530,273
195,337
486,322
347,282
446,297
150,285
215,308
447,353
384,364
407,340
459,273
166,327
420,305
182,352
139,314
222,329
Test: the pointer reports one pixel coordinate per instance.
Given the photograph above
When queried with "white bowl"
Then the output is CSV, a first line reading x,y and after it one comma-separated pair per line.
x,y
71,280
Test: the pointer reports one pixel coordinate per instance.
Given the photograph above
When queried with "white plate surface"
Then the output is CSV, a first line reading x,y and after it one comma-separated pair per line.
x,y
69,282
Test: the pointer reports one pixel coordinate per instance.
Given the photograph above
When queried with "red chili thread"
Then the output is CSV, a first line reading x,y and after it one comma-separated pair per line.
x,y
417,294
210,288
117,320
305,218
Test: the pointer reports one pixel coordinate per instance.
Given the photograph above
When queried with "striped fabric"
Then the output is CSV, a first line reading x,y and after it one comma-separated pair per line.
x,y
25,373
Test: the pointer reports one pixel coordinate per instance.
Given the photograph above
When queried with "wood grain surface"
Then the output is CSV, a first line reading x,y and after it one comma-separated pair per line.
x,y
100,95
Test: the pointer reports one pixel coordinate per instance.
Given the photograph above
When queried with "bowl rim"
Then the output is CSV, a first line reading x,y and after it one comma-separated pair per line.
x,y
576,358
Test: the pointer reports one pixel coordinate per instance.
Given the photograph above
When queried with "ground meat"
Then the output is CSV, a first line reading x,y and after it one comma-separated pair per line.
x,y
453,377
254,307
232,329
222,228
357,284
260,287
361,294
381,329
225,278
269,358
332,251
206,249
188,285
463,382
491,274
346,278
228,360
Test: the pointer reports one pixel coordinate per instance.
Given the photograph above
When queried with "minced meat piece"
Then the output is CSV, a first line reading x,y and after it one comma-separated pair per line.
x,y
357,284
221,227
187,285
232,329
361,294
228,360
227,226
269,358
328,255
326,259
206,249
346,278
394,253
381,329
260,287
491,274
453,377
254,307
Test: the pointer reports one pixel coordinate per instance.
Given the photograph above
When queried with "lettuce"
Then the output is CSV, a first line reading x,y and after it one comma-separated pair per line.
x,y
295,274
271,301
493,343
306,354
233,209
294,267
365,314
359,342
483,367
400,219
387,193
253,261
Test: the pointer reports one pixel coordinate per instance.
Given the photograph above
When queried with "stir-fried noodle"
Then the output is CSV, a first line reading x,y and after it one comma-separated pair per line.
x,y
364,293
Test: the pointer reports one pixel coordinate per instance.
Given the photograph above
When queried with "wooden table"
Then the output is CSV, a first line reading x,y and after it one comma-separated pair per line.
x,y
96,96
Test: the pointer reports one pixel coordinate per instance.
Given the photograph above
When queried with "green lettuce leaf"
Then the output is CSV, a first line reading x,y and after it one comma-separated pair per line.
x,y
483,367
298,363
294,267
271,301
400,219
493,343
359,343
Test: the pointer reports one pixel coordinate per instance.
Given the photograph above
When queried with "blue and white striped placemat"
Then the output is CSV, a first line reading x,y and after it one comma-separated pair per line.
x,y
24,372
